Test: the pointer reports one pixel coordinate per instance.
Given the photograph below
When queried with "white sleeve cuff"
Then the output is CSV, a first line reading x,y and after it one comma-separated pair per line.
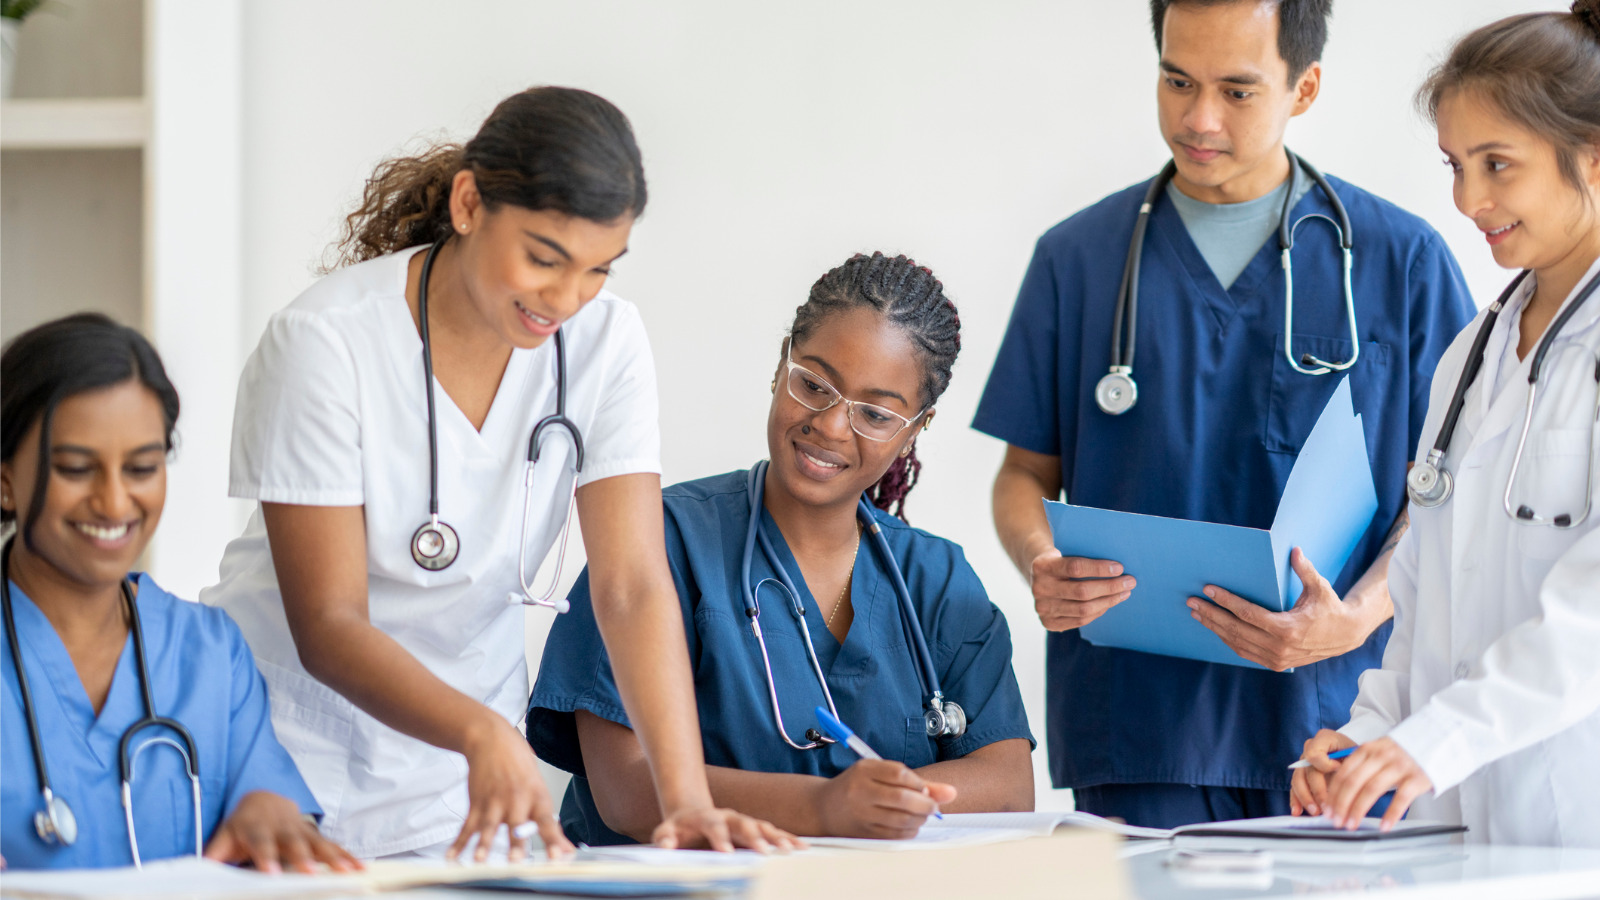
x,y
1439,745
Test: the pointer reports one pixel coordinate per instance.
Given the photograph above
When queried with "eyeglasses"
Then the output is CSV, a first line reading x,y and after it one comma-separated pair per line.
x,y
869,420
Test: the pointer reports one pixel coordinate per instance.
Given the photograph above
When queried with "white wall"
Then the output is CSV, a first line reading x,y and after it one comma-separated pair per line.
x,y
778,140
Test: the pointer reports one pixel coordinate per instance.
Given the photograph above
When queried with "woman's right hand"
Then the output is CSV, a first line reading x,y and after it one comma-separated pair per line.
x,y
879,798
1308,788
505,788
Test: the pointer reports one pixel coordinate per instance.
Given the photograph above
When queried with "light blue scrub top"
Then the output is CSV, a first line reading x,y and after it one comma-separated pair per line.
x,y
201,674
872,675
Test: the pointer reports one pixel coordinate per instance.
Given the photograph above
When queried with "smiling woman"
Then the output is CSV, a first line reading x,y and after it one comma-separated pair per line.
x,y
845,608
390,650
86,414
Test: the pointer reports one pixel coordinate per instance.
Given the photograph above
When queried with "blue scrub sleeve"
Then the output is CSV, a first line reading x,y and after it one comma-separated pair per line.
x,y
256,761
973,655
1021,404
574,673
1441,306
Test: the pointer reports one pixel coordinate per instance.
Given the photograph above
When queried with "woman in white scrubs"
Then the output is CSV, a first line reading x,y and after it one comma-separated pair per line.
x,y
397,687
1486,711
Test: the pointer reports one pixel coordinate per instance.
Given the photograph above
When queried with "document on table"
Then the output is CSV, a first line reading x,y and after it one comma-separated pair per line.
x,y
183,876
1327,505
975,829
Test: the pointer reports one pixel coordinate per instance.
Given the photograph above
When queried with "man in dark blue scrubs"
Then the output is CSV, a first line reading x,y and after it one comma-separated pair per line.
x,y
1220,417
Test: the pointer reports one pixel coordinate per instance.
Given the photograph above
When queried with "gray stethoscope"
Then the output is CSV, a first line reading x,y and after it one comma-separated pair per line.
x,y
435,545
1116,392
942,718
1429,483
55,824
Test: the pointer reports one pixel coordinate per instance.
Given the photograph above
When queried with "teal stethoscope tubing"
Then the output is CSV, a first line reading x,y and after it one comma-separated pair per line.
x,y
943,718
56,823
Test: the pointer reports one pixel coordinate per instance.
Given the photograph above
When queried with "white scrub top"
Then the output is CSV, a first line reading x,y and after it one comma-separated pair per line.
x,y
331,411
1491,680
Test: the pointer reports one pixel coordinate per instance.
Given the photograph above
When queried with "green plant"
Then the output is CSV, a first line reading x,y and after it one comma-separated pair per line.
x,y
18,9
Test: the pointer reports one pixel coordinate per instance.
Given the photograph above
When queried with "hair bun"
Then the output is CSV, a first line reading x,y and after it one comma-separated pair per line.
x,y
1588,12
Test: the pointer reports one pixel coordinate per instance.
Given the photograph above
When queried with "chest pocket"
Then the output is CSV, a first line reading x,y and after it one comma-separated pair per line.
x,y
1551,480
1295,400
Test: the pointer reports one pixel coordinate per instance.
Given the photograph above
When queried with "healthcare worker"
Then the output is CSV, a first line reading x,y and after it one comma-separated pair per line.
x,y
868,355
406,387
1221,409
1486,711
136,725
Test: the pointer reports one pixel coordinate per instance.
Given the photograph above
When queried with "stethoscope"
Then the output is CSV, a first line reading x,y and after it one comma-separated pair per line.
x,y
1116,392
55,824
435,545
942,718
1430,484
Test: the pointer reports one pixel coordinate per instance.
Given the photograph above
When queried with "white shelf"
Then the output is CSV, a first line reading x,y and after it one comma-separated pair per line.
x,y
74,124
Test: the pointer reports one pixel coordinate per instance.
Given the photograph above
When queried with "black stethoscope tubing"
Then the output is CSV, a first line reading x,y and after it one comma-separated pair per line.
x,y
436,535
53,833
1429,483
1124,328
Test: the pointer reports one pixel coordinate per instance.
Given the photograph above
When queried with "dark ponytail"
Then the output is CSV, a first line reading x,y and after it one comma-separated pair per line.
x,y
550,148
1541,70
910,297
57,360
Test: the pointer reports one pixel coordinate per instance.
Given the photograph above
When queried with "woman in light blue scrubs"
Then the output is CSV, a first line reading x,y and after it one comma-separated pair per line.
x,y
86,421
868,355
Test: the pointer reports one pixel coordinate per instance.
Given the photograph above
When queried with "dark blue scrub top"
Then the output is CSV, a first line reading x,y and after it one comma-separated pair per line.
x,y
872,675
201,674
1219,421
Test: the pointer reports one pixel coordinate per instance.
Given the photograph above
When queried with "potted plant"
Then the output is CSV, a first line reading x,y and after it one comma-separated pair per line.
x,y
12,12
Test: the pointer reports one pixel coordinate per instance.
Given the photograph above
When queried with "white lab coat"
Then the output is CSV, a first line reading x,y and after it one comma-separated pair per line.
x,y
332,412
1491,680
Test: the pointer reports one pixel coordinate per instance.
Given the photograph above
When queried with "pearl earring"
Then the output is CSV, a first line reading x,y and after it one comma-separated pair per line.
x,y
461,227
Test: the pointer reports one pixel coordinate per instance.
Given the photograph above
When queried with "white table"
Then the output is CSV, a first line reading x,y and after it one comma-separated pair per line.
x,y
1455,873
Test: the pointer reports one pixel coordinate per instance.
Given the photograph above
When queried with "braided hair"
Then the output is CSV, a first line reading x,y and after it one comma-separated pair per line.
x,y
910,297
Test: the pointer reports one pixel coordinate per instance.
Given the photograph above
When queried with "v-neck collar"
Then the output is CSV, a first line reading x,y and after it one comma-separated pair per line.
x,y
1224,303
43,652
451,420
852,656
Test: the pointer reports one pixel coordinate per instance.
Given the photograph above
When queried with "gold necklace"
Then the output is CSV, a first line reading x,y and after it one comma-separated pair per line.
x,y
847,579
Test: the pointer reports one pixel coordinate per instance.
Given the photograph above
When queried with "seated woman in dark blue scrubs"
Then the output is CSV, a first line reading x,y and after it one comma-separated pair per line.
x,y
93,651
869,353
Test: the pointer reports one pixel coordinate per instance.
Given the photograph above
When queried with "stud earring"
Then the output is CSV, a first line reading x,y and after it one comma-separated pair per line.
x,y
461,227
907,451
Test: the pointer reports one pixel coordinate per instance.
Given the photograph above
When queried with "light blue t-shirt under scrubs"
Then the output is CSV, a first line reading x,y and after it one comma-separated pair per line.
x,y
872,675
1229,235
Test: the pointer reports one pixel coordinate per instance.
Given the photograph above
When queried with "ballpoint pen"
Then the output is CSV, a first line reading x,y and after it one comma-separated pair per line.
x,y
1337,754
832,727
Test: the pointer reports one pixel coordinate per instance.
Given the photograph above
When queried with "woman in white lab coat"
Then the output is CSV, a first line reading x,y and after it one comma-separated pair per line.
x,y
1486,711
401,390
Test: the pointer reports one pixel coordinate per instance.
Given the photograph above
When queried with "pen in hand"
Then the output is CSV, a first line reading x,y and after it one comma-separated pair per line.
x,y
832,727
1337,754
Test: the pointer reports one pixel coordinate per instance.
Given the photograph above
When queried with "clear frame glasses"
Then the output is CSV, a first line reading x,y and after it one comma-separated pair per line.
x,y
869,420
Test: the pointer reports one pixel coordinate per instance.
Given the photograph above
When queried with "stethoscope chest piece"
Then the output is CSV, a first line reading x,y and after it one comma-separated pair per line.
x,y
1116,391
949,720
1428,485
55,823
434,545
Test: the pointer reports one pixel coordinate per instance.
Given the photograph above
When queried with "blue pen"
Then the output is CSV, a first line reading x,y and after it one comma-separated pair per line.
x,y
1337,754
832,727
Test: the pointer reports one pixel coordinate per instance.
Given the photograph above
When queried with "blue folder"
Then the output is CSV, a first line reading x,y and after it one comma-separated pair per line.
x,y
1327,505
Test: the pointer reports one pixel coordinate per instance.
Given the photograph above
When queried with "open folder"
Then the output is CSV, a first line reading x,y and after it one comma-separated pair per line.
x,y
1327,505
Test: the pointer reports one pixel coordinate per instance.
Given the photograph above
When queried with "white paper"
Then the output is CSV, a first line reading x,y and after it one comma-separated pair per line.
x,y
183,876
974,829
